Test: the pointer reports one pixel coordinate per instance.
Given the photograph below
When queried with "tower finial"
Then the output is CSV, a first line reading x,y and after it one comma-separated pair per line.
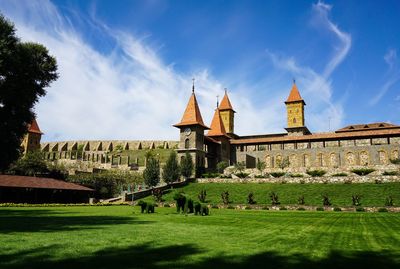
x,y
193,85
217,101
226,90
294,81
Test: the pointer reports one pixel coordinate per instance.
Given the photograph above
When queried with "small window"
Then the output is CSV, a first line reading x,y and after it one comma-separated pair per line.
x,y
294,120
187,143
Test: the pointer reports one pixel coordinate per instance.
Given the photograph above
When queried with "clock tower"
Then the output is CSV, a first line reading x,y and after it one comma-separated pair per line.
x,y
191,129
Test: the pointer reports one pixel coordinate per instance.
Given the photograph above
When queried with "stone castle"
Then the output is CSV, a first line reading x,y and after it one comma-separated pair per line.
x,y
370,145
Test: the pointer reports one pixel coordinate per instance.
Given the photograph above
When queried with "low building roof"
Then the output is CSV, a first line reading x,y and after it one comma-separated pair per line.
x,y
367,127
33,127
317,136
13,181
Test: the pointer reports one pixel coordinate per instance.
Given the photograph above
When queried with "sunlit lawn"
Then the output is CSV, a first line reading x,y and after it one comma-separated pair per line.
x,y
121,237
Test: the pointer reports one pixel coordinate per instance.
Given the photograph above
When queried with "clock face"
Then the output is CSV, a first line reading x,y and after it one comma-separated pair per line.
x,y
188,131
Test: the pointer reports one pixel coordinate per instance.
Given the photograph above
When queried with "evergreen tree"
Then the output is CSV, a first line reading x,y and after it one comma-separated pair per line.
x,y
187,166
171,170
26,69
151,174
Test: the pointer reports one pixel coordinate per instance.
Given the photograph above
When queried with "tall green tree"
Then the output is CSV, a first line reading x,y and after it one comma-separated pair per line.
x,y
171,169
31,164
187,166
151,174
26,69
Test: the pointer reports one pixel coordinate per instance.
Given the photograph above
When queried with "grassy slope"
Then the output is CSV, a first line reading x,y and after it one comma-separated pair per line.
x,y
340,194
113,237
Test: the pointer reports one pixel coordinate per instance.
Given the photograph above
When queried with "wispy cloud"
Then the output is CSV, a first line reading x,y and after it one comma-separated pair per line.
x,y
130,92
324,113
392,76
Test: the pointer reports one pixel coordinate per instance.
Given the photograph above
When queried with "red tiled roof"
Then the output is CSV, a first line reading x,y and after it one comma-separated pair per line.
x,y
217,126
225,103
39,183
367,127
294,95
34,127
192,115
317,136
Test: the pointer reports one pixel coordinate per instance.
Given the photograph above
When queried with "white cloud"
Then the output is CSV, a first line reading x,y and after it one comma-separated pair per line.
x,y
392,77
131,93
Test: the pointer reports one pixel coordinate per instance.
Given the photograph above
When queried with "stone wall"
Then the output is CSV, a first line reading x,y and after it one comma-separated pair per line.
x,y
342,155
321,180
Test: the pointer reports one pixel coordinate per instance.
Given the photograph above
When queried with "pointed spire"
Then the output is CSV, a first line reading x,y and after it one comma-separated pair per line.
x,y
193,85
294,95
33,127
217,126
226,103
217,101
192,115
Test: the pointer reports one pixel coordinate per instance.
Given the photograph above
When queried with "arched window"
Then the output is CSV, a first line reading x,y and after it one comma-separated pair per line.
x,y
187,143
294,120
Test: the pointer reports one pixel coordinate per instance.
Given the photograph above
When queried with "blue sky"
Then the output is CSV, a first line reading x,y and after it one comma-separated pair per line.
x,y
126,66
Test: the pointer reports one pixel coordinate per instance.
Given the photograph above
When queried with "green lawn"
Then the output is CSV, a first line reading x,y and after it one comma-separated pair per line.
x,y
339,194
121,237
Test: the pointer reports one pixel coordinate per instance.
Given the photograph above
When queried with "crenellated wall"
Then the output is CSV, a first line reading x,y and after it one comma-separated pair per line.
x,y
106,145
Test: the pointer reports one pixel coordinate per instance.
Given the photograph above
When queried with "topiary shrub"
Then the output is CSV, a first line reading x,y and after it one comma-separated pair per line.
x,y
301,209
265,208
390,173
382,209
167,205
277,174
360,209
300,200
225,197
316,173
184,204
248,208
146,207
274,198
325,200
230,207
356,199
202,196
215,206
320,209
362,171
200,209
250,199
337,209
282,208
389,201
242,175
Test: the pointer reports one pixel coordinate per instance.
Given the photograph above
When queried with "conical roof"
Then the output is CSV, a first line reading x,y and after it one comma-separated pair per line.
x,y
217,126
33,127
294,95
192,115
226,103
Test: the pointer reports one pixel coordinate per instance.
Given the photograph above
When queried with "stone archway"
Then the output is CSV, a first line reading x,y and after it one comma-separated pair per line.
x,y
350,159
383,157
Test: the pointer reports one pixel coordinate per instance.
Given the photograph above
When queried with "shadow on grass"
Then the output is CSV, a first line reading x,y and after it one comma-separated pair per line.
x,y
146,256
13,221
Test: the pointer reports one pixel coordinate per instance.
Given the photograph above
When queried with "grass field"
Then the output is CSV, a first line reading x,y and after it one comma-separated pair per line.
x,y
339,194
121,237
